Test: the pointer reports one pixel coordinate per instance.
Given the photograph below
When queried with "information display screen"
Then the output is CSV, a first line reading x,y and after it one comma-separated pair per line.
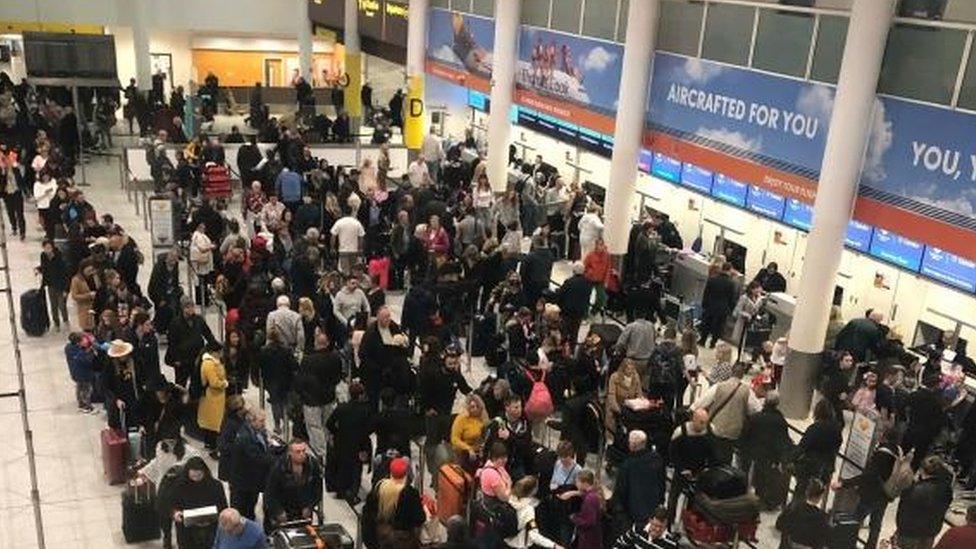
x,y
900,251
858,235
478,100
766,203
595,142
666,168
949,269
697,178
371,18
644,160
395,21
730,190
798,214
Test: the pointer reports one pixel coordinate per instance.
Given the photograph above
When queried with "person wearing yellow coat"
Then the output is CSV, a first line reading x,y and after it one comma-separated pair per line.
x,y
210,413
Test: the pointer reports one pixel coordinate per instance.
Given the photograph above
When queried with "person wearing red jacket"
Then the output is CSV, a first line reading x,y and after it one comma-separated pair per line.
x,y
596,269
437,240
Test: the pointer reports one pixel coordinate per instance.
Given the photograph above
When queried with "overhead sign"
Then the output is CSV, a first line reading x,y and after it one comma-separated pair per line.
x,y
459,48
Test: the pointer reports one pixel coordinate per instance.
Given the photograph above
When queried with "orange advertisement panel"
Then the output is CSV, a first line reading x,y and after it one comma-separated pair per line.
x,y
567,111
461,78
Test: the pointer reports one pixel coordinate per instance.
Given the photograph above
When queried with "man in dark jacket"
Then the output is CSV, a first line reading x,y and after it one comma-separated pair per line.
x,y
294,488
513,431
861,335
145,353
923,505
926,418
127,259
770,279
537,269
187,336
718,300
765,441
383,357
640,483
251,462
872,500
248,157
573,298
162,413
165,289
440,381
805,523
315,383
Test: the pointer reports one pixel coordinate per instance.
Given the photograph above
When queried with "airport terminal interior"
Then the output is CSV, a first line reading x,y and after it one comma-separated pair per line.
x,y
487,274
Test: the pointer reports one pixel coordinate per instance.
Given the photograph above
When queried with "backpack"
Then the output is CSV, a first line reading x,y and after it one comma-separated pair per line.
x,y
662,367
901,476
539,404
500,516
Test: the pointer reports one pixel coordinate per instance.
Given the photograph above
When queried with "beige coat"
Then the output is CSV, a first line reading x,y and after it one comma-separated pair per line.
x,y
617,393
81,294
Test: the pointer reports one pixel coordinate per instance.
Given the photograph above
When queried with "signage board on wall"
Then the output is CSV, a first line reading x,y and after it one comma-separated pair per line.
x,y
729,190
382,24
459,48
697,178
765,202
568,76
666,168
897,250
949,269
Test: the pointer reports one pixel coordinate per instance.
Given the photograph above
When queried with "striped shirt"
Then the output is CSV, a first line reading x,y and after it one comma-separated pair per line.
x,y
636,538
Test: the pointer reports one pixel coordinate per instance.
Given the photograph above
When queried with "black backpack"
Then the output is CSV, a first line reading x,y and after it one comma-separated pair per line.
x,y
500,516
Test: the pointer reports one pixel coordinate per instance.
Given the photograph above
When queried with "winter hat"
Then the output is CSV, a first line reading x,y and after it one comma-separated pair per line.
x,y
398,468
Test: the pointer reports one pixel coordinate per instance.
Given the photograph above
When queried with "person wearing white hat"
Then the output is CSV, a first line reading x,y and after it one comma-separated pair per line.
x,y
121,386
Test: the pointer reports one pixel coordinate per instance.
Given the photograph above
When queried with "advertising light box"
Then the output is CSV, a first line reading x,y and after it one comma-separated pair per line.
x,y
697,178
730,190
949,269
666,168
798,214
858,235
765,203
896,249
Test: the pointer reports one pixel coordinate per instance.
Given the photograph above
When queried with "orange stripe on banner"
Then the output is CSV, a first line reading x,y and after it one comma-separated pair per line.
x,y
457,76
920,228
740,169
567,111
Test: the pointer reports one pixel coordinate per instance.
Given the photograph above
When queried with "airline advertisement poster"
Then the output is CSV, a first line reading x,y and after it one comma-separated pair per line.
x,y
459,48
569,77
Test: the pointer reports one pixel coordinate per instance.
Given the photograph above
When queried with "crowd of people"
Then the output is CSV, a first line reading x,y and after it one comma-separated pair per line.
x,y
303,273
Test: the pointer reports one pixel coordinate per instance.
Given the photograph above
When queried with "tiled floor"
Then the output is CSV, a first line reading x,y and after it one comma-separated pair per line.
x,y
79,509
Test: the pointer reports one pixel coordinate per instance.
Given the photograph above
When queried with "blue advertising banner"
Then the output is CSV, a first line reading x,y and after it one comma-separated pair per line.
x,y
925,154
776,119
570,68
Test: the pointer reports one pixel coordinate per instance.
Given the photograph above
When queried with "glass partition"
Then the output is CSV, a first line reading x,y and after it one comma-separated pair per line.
x,y
967,96
535,12
728,32
483,7
679,27
440,3
566,14
622,21
922,62
600,18
831,37
783,42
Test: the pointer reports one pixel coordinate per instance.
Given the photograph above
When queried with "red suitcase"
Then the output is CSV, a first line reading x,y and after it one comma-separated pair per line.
x,y
454,487
216,182
114,448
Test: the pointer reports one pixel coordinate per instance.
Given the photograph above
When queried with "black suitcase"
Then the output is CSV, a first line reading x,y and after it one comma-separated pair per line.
x,y
482,335
609,333
844,530
33,313
140,520
722,482
772,485
307,536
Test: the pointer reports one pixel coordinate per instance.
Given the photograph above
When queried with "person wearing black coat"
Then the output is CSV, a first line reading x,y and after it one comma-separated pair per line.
x,y
404,516
718,301
188,334
350,425
234,419
278,366
162,413
197,488
315,384
770,279
418,305
251,457
861,336
165,289
639,488
805,523
926,418
836,384
383,358
923,505
872,500
537,270
396,424
145,352
248,157
54,278
765,443
573,298
127,259
294,488
817,449
440,381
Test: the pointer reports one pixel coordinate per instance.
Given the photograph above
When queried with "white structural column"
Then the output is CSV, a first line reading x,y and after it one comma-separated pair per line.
x,y
850,123
354,62
140,43
504,65
304,40
642,21
413,111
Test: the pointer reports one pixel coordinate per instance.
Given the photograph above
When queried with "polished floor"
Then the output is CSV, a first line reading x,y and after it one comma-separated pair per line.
x,y
78,508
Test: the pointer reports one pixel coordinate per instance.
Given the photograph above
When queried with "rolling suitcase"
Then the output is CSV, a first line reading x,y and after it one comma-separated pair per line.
x,y
216,182
609,333
114,448
453,490
140,520
303,535
33,313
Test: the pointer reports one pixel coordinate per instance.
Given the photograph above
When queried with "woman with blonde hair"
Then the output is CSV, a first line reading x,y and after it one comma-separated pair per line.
x,y
467,432
524,501
310,320
624,385
393,506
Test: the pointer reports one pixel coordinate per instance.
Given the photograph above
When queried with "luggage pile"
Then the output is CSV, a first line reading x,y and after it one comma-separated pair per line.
x,y
304,535
216,181
722,509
